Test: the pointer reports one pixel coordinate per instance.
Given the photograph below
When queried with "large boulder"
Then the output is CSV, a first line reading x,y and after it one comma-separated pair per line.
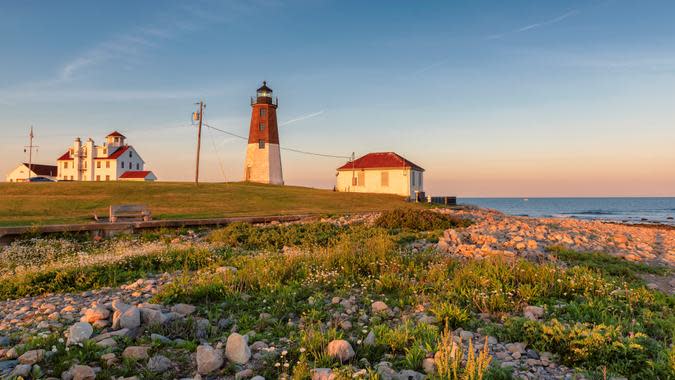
x,y
533,313
340,349
236,349
183,309
130,318
79,333
209,359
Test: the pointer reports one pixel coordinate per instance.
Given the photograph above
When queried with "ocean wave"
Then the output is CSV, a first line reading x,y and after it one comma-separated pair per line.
x,y
591,212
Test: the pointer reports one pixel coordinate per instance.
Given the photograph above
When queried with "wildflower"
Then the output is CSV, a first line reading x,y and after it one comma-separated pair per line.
x,y
277,364
303,349
284,353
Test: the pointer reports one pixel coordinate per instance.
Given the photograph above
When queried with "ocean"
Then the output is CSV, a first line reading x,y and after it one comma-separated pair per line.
x,y
628,210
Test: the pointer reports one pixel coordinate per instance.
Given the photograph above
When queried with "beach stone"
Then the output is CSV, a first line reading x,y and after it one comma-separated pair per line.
x,y
4,341
209,359
153,317
136,352
79,333
94,314
107,342
340,349
533,313
183,309
429,366
257,378
130,318
243,374
82,372
379,307
22,370
236,349
31,357
370,339
159,363
322,374
407,374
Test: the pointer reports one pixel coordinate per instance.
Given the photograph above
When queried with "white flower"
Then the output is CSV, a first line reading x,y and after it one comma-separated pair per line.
x,y
284,353
303,349
277,364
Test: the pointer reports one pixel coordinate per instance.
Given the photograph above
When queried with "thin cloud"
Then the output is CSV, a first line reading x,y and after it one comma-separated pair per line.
x,y
535,25
304,117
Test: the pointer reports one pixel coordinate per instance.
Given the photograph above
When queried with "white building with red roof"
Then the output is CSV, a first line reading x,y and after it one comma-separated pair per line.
x,y
385,172
107,162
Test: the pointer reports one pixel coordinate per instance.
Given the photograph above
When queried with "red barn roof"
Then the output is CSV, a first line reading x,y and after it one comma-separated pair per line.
x,y
116,134
44,170
382,160
65,156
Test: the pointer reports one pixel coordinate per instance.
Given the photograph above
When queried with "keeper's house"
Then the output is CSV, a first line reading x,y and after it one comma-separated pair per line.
x,y
385,172
112,161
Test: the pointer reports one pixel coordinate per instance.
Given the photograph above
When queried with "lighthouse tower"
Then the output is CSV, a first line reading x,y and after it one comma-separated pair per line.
x,y
263,158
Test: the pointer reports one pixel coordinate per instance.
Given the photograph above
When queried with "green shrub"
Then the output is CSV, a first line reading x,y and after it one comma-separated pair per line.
x,y
274,238
418,220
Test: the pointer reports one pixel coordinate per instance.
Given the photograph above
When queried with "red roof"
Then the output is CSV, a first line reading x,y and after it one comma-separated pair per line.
x,y
135,174
45,170
65,156
116,153
115,134
380,160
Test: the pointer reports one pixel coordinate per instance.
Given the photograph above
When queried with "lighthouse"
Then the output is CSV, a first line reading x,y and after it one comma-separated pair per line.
x,y
263,157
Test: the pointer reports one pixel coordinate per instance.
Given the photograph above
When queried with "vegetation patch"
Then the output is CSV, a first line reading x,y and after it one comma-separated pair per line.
x,y
419,220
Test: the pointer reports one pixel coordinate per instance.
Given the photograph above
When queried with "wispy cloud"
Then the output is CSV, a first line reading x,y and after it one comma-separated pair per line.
x,y
536,25
300,118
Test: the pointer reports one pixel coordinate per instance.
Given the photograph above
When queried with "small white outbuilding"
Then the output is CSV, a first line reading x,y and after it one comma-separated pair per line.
x,y
384,172
22,172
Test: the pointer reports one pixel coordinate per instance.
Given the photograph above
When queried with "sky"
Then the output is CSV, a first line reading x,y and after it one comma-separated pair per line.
x,y
492,98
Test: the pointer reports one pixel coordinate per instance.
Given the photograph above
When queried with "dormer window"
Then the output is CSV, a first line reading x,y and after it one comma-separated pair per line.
x,y
130,155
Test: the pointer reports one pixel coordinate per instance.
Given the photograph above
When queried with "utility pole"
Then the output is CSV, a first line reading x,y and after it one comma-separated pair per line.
x,y
199,114
30,147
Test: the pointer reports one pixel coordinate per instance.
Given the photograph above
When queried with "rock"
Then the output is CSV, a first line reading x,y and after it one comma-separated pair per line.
x,y
429,366
202,327
4,341
22,370
466,335
532,354
407,374
136,352
209,359
257,378
159,363
385,371
130,318
7,365
183,309
94,314
379,307
159,338
153,317
120,306
340,349
258,346
11,353
243,374
79,333
516,348
370,339
107,342
322,374
533,313
109,359
236,349
31,357
82,372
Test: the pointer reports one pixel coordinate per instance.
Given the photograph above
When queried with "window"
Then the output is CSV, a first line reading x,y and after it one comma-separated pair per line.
x,y
65,165
261,144
71,177
98,177
138,166
107,164
85,164
384,179
261,127
105,151
98,164
107,178
362,179
130,154
122,162
413,175
130,166
354,181
263,112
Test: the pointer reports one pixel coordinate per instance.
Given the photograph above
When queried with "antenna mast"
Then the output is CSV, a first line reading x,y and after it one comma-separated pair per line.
x,y
30,147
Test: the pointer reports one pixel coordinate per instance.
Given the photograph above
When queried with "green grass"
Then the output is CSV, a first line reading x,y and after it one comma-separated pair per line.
x,y
607,264
76,202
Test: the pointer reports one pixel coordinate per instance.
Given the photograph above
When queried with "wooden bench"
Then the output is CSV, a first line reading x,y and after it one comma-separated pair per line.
x,y
129,213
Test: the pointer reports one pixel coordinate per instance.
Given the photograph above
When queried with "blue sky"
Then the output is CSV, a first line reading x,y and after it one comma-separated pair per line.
x,y
519,98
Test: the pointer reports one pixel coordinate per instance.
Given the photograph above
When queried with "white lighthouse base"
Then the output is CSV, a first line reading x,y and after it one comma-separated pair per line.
x,y
263,165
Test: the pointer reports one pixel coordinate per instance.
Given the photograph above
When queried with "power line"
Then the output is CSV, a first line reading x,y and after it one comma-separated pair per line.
x,y
280,147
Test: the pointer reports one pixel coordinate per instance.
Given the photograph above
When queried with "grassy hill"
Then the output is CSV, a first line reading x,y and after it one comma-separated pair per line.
x,y
73,202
